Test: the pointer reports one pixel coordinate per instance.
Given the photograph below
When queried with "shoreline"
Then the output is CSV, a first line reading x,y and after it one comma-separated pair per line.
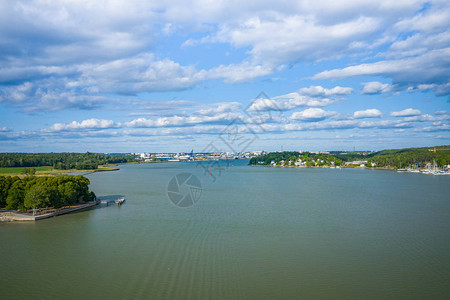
x,y
10,216
56,172
341,167
399,170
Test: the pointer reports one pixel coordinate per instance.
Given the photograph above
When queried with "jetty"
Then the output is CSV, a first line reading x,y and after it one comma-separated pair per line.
x,y
118,201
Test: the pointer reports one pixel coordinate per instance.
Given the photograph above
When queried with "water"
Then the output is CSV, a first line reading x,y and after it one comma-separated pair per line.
x,y
255,233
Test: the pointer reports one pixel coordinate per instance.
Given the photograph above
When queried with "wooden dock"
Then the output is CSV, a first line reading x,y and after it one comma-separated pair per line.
x,y
118,201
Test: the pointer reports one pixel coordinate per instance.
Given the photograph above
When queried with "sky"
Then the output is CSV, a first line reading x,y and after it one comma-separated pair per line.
x,y
171,76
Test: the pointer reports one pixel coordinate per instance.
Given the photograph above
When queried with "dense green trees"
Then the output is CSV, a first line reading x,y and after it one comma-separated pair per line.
x,y
29,171
37,192
61,161
401,158
397,158
307,157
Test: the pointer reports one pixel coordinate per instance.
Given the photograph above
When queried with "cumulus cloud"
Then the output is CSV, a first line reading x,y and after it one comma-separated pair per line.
x,y
368,113
375,87
96,49
440,89
283,38
312,115
313,96
318,91
180,121
408,112
398,69
90,124
68,55
340,125
51,95
426,118
141,73
242,72
219,108
443,127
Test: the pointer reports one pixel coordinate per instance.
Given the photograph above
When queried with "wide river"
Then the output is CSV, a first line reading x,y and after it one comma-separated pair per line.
x,y
255,233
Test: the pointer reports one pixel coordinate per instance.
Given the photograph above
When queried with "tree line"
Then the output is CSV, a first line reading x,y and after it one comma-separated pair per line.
x,y
402,158
310,159
39,192
61,161
395,158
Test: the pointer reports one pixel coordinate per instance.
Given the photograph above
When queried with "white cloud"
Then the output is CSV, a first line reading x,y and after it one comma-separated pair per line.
x,y
401,69
375,87
180,121
426,118
318,91
406,113
219,108
50,95
90,124
312,115
313,96
102,49
283,38
443,127
441,112
235,73
294,100
368,113
141,73
440,89
408,71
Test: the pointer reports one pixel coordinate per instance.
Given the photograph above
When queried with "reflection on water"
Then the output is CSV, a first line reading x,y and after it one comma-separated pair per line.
x,y
255,233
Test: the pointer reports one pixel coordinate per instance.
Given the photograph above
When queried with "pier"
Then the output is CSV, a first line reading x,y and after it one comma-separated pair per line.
x,y
118,201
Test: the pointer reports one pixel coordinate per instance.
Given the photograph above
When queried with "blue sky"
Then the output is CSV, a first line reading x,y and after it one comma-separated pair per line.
x,y
135,76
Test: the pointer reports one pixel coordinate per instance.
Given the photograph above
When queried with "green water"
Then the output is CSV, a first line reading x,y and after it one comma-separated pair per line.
x,y
255,233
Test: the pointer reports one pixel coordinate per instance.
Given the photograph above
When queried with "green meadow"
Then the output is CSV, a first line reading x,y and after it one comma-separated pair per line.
x,y
19,170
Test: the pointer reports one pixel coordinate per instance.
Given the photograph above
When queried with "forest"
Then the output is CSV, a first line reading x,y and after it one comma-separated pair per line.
x,y
310,159
395,158
61,161
39,192
401,158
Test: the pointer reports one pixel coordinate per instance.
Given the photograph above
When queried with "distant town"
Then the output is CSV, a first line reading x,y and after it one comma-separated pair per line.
x,y
175,157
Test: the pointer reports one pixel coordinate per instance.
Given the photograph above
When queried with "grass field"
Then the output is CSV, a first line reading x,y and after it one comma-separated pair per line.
x,y
19,170
44,171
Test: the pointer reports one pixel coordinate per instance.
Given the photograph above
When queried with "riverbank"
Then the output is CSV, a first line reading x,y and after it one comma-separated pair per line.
x,y
10,216
327,167
49,171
